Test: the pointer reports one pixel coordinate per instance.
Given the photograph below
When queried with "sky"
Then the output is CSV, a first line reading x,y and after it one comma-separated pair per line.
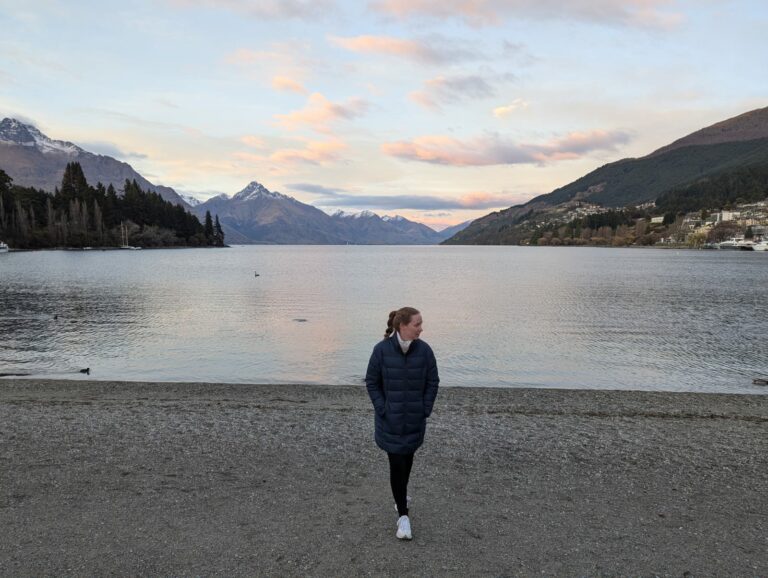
x,y
438,110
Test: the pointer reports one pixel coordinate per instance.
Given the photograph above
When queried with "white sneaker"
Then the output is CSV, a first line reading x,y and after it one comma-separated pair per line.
x,y
404,528
407,503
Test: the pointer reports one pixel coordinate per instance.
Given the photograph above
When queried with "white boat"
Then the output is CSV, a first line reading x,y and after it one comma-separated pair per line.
x,y
729,245
746,246
3,247
761,246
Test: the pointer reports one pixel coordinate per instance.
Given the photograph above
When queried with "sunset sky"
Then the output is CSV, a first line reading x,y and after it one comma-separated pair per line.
x,y
438,110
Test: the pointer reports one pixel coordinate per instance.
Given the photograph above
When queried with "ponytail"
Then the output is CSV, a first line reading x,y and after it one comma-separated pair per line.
x,y
397,318
390,324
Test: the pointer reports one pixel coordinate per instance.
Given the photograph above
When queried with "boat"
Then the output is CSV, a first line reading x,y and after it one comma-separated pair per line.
x,y
761,246
729,245
3,247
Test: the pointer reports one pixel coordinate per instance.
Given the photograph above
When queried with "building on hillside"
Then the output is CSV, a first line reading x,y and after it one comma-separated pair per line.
x,y
723,216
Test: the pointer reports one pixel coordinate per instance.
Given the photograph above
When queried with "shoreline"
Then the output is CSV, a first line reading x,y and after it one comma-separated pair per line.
x,y
235,479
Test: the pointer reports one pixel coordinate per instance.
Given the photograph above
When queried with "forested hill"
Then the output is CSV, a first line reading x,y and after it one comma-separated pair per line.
x,y
731,153
80,215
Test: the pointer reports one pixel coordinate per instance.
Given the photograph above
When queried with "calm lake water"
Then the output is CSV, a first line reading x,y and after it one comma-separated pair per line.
x,y
496,316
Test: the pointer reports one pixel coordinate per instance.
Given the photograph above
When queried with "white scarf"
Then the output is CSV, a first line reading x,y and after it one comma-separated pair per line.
x,y
404,345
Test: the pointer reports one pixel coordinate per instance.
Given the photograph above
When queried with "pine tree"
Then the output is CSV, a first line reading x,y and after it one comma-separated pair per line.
x,y
208,227
73,183
218,232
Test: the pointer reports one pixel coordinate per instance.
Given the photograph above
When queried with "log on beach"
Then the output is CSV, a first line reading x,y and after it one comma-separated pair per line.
x,y
240,480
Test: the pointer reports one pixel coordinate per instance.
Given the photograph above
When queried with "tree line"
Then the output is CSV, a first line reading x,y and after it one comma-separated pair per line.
x,y
616,228
80,215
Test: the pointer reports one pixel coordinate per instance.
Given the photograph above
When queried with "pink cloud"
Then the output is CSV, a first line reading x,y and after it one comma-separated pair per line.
x,y
288,84
647,13
253,141
494,150
314,152
320,113
504,111
433,51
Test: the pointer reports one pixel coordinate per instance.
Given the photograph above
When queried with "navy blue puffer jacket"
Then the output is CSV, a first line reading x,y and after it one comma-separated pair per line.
x,y
403,388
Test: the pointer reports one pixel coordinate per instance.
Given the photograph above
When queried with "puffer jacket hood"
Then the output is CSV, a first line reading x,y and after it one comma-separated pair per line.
x,y
402,388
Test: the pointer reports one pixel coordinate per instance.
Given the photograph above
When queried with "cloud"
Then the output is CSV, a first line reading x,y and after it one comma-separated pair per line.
x,y
288,84
271,9
495,150
166,103
320,113
314,152
453,89
436,50
470,201
110,150
643,13
505,111
253,141
314,189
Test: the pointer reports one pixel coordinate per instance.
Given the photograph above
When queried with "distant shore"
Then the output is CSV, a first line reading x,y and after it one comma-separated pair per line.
x,y
240,480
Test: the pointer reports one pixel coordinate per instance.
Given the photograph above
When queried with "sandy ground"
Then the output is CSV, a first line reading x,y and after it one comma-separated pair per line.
x,y
164,479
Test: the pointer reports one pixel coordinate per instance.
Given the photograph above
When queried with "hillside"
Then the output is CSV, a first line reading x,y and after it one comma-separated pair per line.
x,y
751,125
731,145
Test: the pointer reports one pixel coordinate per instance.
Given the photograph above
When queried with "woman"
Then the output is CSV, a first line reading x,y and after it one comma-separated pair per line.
x,y
402,382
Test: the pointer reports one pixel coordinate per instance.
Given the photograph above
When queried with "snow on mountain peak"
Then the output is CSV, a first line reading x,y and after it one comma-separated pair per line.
x,y
256,190
190,200
360,215
14,132
396,218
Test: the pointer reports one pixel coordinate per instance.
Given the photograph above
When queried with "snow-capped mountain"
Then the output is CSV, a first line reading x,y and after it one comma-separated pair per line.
x,y
263,216
14,132
258,215
256,190
33,159
368,228
190,200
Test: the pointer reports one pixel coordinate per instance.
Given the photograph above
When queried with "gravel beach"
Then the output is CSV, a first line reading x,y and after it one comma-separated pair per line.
x,y
161,479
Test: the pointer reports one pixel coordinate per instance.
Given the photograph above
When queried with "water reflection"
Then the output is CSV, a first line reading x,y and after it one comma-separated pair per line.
x,y
498,316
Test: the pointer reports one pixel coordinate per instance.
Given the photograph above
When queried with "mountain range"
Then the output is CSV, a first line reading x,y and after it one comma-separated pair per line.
x,y
709,153
258,215
253,215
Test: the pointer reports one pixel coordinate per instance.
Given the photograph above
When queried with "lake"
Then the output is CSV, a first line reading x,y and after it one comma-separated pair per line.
x,y
593,318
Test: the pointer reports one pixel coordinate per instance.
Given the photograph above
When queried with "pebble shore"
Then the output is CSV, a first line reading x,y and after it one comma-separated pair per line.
x,y
168,479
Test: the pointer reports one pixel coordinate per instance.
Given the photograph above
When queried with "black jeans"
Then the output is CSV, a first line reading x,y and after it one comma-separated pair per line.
x,y
399,472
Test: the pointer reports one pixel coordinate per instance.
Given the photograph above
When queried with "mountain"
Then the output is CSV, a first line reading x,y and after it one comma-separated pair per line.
x,y
261,216
449,232
367,228
258,215
724,147
190,200
751,125
32,159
